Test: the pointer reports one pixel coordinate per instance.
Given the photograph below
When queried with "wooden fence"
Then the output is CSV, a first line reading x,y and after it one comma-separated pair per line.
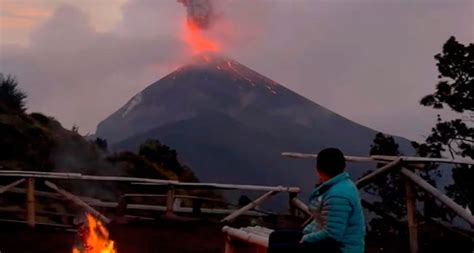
x,y
406,166
31,178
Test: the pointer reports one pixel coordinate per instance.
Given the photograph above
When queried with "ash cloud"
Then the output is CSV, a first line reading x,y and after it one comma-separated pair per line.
x,y
368,60
200,12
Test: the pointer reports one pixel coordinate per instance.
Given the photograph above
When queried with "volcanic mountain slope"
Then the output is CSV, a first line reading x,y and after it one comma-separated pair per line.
x,y
230,124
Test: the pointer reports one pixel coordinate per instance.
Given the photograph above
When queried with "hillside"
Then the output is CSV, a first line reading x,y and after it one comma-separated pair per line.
x,y
39,143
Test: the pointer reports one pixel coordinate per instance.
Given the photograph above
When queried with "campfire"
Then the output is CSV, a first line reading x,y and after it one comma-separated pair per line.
x,y
94,238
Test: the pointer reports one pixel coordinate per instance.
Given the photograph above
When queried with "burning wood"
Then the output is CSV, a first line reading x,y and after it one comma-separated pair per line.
x,y
94,238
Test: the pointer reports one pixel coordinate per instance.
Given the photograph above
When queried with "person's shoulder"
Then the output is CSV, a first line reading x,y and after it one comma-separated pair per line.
x,y
344,189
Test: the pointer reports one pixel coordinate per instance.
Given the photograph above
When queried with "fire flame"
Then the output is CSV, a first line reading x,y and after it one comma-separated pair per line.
x,y
197,41
95,238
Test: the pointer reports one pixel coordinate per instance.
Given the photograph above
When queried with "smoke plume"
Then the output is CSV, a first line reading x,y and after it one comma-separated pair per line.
x,y
200,12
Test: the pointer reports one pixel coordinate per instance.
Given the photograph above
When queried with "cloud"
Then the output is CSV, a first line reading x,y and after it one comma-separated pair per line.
x,y
370,61
79,75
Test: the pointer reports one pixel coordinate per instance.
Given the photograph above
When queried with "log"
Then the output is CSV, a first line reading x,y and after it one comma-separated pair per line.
x,y
78,201
459,210
383,158
215,211
77,176
245,236
314,156
249,206
301,206
367,179
230,187
30,202
411,210
169,201
292,196
37,223
10,186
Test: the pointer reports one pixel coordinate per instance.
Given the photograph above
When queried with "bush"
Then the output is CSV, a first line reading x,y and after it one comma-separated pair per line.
x,y
10,95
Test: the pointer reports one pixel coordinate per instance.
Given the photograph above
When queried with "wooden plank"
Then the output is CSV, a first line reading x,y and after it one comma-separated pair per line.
x,y
382,158
301,206
314,156
249,206
229,247
459,210
378,173
169,201
246,237
30,202
78,201
10,186
145,181
411,211
37,223
218,186
77,176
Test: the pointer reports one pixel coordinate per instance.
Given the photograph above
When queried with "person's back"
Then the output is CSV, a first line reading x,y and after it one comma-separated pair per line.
x,y
338,215
338,224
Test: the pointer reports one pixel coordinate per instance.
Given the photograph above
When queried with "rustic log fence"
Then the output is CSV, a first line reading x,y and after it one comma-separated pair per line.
x,y
404,165
172,200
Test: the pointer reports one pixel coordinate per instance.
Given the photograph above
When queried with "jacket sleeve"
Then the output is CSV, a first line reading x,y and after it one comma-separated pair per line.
x,y
335,214
309,228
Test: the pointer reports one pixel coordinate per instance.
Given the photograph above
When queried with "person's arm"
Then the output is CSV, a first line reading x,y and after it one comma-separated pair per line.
x,y
309,228
335,212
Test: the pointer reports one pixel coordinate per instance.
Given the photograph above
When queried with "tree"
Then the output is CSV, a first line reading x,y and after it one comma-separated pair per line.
x,y
10,95
455,89
161,154
101,144
390,189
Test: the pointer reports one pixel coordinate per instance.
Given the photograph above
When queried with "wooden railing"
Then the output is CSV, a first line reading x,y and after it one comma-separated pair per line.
x,y
406,166
124,201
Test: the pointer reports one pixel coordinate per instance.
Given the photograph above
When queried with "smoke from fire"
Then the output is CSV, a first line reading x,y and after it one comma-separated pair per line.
x,y
200,12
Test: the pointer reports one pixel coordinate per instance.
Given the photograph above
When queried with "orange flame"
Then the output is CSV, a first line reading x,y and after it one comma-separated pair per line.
x,y
197,41
95,238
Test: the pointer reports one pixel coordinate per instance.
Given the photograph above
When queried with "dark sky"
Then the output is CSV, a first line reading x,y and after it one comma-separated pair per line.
x,y
370,61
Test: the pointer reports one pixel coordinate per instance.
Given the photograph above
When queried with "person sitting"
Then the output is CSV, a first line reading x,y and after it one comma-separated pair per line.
x,y
338,224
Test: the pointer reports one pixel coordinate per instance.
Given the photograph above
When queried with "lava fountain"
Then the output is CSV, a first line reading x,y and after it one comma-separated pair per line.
x,y
94,238
196,39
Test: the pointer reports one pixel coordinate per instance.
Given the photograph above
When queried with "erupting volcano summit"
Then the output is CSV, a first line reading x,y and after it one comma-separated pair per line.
x,y
230,123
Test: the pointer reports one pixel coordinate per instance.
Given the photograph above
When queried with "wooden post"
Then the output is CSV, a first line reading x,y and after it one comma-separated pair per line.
x,y
10,186
77,201
459,210
121,206
292,195
30,202
169,201
229,248
411,210
378,173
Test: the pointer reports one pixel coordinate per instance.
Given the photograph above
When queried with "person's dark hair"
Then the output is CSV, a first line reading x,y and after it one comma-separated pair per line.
x,y
331,161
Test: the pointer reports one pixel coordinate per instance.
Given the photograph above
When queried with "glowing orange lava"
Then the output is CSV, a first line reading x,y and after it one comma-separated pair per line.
x,y
95,238
197,41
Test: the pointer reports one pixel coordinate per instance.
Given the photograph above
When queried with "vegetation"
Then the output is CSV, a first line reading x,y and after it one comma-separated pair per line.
x,y
455,137
390,189
455,90
10,96
39,142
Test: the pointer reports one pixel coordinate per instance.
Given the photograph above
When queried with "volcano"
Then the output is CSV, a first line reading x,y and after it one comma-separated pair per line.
x,y
230,124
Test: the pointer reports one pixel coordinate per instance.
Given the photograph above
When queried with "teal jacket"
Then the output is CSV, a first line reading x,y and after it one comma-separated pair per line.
x,y
338,215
